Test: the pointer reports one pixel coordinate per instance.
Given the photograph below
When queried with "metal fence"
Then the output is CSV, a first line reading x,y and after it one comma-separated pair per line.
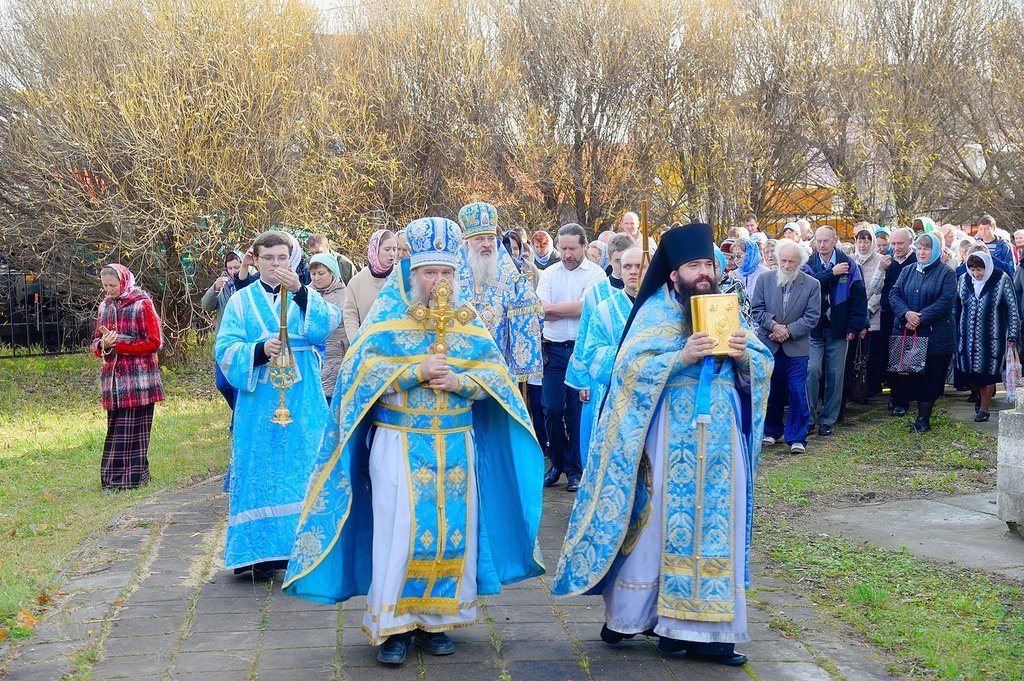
x,y
38,319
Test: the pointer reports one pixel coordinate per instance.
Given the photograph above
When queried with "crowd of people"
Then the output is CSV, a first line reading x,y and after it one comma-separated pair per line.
x,y
426,389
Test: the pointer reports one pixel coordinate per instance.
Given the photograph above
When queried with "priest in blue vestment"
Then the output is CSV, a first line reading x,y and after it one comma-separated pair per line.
x,y
271,463
578,374
504,298
662,522
427,491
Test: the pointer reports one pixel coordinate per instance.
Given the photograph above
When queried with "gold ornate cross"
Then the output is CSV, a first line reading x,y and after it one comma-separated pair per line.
x,y
441,315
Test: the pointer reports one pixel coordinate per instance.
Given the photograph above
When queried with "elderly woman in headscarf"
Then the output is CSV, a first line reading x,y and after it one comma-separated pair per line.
x,y
768,254
747,257
326,279
382,253
597,253
867,257
922,301
987,323
730,284
127,338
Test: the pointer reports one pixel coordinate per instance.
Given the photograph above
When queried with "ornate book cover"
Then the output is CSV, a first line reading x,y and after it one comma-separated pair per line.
x,y
719,315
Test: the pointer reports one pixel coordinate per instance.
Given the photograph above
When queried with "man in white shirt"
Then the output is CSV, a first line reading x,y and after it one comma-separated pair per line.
x,y
561,291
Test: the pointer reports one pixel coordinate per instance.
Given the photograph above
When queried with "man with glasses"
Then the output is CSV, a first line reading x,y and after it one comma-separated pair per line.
x,y
271,463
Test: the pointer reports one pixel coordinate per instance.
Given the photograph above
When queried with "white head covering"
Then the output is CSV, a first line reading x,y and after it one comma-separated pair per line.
x,y
296,252
989,270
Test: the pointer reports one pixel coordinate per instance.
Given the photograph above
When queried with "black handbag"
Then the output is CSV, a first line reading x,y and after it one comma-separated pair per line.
x,y
859,383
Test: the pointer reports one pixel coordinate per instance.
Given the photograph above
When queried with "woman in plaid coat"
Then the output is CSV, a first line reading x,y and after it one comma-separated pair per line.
x,y
127,338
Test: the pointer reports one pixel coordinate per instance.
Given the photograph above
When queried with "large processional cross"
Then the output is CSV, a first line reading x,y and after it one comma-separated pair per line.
x,y
441,316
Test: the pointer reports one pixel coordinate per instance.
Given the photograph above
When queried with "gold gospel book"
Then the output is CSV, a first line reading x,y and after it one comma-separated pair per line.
x,y
719,315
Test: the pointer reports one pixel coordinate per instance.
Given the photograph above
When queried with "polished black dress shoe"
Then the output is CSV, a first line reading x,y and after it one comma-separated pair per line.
x,y
573,486
982,416
899,411
552,477
824,430
921,425
394,649
434,643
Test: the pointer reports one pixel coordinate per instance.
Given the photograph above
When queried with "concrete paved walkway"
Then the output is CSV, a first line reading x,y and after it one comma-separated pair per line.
x,y
152,603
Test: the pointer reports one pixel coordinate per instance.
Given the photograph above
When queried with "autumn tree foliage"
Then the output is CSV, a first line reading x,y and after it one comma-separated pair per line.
x,y
160,132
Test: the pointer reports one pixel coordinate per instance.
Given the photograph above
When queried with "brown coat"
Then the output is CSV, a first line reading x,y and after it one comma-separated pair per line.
x,y
362,292
337,343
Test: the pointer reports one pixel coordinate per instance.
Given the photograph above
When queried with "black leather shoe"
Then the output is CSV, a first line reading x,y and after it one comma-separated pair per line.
x,y
394,649
671,647
612,637
573,485
552,477
899,411
434,643
921,425
982,416
719,653
824,430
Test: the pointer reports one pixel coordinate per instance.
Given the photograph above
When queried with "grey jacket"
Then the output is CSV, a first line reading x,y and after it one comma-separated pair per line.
x,y
800,316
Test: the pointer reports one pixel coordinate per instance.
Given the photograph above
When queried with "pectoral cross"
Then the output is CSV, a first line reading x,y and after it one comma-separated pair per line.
x,y
441,315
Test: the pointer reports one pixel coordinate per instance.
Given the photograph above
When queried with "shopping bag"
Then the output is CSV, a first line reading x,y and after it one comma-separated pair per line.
x,y
1011,374
907,354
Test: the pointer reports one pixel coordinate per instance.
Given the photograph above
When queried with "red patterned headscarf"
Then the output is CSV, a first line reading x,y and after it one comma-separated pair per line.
x,y
126,278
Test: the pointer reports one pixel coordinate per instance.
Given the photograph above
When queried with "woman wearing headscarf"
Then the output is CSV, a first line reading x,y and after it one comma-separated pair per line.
x,y
987,322
730,284
922,302
768,254
513,243
127,338
867,257
247,274
326,279
215,300
747,256
382,252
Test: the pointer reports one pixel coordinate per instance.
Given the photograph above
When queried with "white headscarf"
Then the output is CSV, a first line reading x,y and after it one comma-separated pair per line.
x,y
989,270
296,252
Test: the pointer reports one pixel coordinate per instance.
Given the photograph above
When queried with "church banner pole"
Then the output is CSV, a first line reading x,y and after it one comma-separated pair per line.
x,y
645,234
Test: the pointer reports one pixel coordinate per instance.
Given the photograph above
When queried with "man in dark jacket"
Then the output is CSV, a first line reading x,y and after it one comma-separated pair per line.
x,y
885,278
844,314
1002,254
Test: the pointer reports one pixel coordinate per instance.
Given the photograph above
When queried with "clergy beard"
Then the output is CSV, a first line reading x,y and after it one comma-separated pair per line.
x,y
686,290
785,278
420,296
484,268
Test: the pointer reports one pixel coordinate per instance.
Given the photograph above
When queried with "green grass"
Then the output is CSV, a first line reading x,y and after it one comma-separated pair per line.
x,y
52,427
876,454
937,621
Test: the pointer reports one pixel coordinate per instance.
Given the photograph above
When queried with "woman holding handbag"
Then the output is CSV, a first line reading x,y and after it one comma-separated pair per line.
x,y
922,301
987,322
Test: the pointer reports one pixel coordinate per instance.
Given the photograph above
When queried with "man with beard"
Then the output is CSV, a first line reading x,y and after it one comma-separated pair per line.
x,y
426,493
578,376
503,298
661,524
882,282
561,290
786,306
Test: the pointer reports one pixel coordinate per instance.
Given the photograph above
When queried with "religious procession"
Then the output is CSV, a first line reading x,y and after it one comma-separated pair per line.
x,y
556,339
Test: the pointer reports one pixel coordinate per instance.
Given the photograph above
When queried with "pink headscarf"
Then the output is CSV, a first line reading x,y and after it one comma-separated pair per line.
x,y
126,278
375,266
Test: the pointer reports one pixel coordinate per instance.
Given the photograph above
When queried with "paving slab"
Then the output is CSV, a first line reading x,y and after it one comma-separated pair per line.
x,y
936,529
